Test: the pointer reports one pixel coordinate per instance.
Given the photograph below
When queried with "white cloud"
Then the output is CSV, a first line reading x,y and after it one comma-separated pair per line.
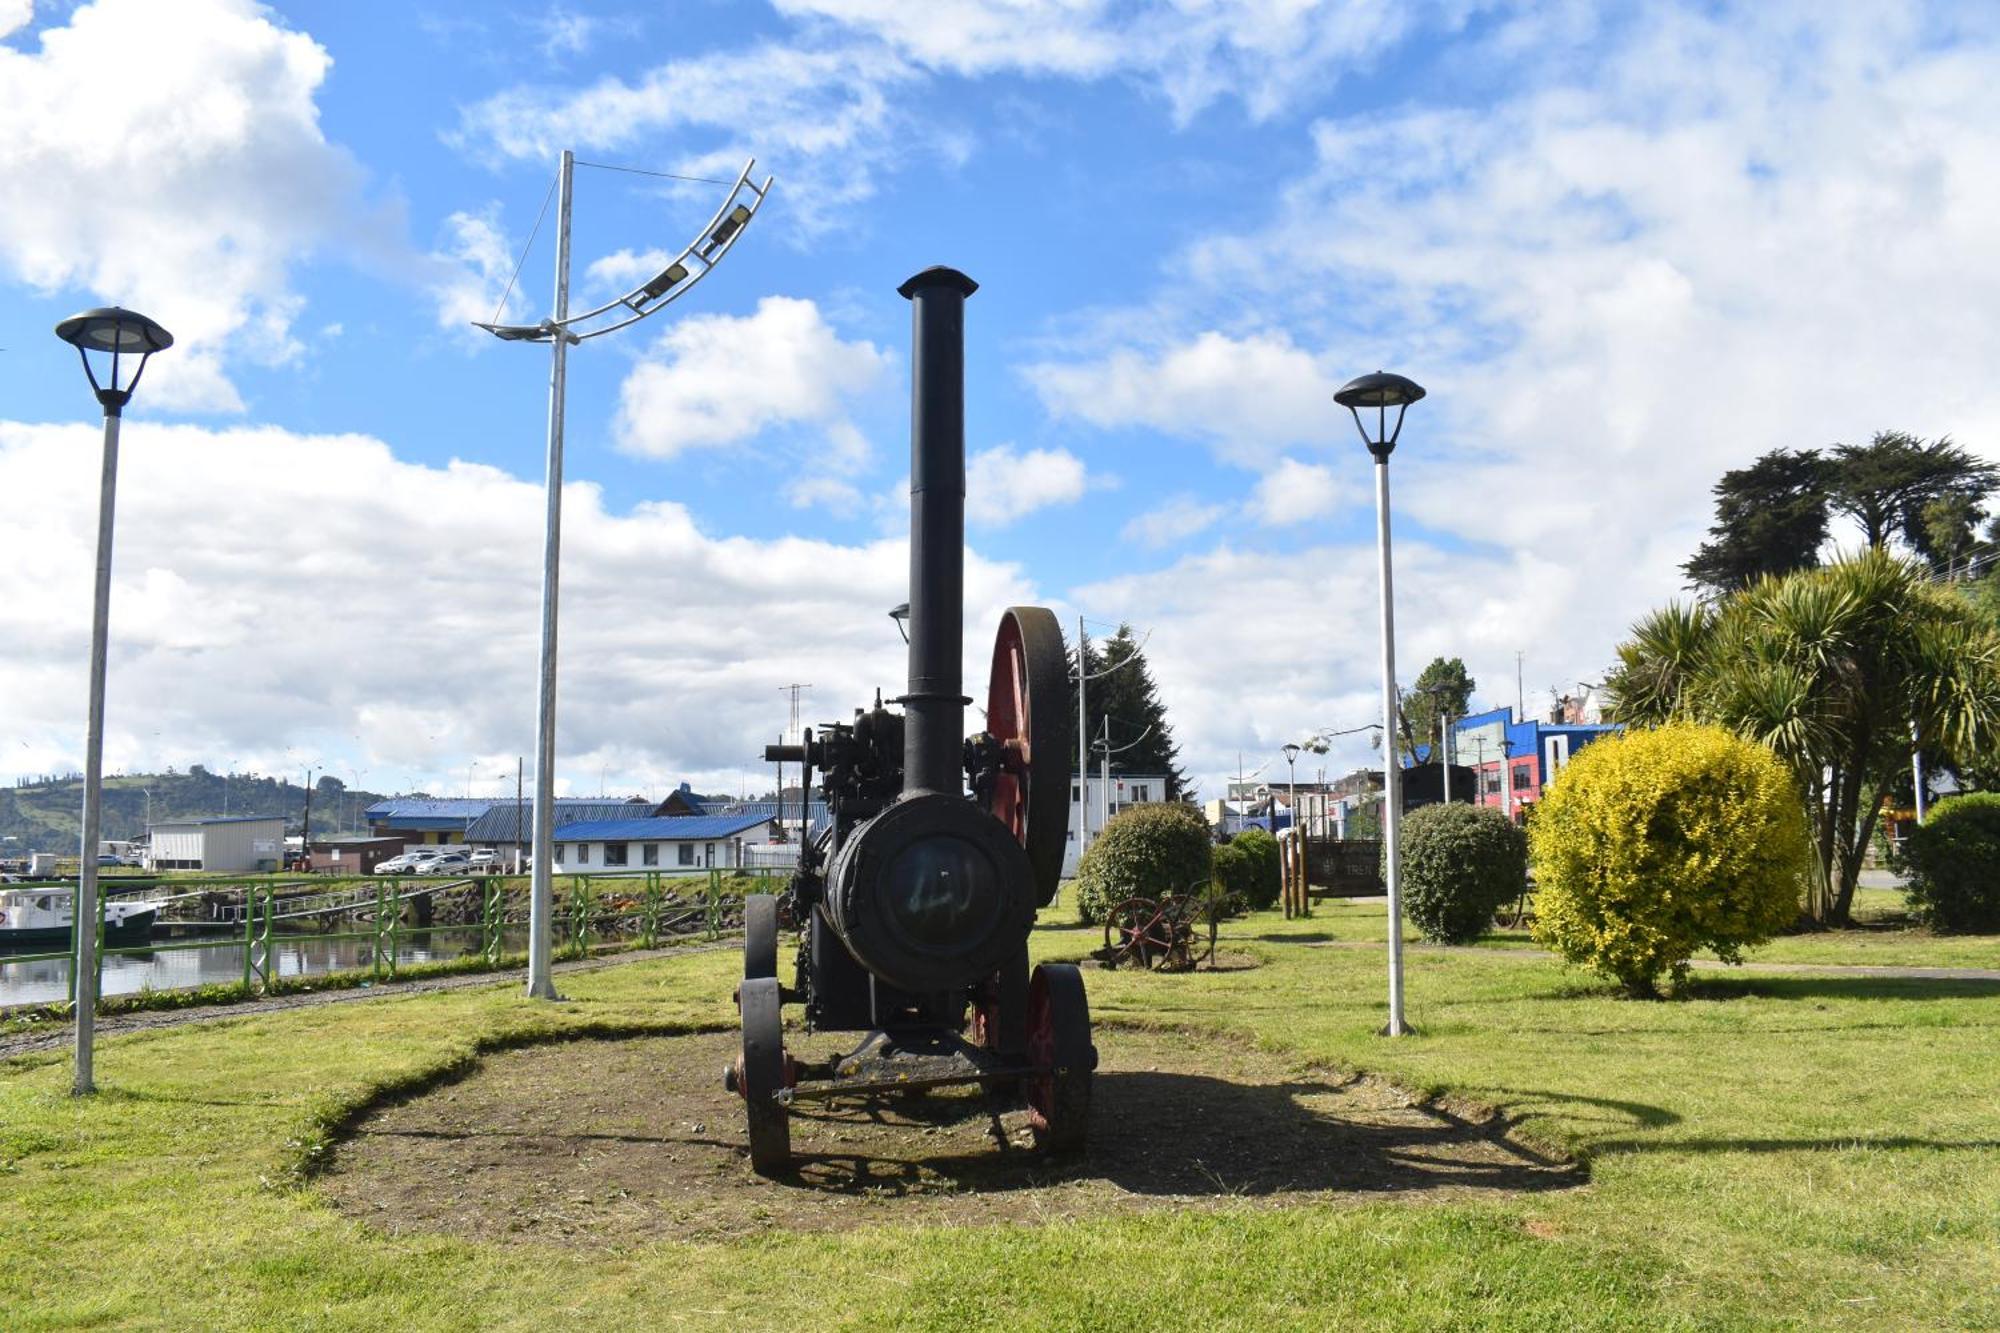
x,y
1180,517
15,15
1263,52
169,157
1249,397
622,270
1003,484
1293,492
470,271
388,619
713,381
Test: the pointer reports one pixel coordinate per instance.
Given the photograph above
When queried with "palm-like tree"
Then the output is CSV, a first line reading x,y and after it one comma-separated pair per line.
x,y
1831,668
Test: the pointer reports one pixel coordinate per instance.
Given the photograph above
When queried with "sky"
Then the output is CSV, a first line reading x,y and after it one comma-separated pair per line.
x,y
1625,248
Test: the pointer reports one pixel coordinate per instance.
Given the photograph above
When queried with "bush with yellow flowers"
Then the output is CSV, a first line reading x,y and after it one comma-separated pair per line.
x,y
1656,844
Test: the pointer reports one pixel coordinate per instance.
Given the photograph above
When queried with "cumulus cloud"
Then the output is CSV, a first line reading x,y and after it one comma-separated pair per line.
x,y
713,381
471,269
203,113
1293,492
1248,397
1004,483
15,15
389,619
1180,517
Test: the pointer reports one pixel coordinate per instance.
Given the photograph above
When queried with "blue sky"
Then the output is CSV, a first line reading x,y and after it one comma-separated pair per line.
x,y
1623,253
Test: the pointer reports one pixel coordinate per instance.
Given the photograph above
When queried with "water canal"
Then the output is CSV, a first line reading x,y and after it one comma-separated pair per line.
x,y
47,979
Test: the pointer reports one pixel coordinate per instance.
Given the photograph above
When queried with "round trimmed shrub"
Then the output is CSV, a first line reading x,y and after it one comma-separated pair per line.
x,y
1656,844
1152,849
1953,859
1260,851
1460,863
1233,870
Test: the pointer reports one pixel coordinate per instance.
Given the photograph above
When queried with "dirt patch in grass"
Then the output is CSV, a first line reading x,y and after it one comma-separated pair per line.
x,y
608,1142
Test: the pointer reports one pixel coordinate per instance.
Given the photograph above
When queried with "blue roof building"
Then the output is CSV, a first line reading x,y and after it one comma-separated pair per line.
x,y
662,842
424,818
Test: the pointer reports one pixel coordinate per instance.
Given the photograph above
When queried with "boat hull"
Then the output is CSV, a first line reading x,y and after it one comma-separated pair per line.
x,y
135,929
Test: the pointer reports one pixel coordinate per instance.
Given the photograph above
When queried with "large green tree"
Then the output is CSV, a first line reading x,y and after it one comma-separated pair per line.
x,y
1770,518
1123,689
1442,688
1832,668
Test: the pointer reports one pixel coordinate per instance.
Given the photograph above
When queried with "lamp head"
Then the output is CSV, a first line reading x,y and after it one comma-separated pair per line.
x,y
1292,752
1381,391
111,331
900,613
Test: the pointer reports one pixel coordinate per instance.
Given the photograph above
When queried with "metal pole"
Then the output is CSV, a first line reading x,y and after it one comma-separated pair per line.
x,y
1292,791
83,916
541,986
1444,751
1082,752
1917,773
1391,773
1507,769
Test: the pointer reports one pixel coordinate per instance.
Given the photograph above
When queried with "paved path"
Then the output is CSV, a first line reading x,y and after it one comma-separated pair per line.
x,y
50,1036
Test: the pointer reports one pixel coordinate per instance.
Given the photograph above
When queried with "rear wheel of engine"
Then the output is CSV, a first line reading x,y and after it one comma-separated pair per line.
x,y
1065,1061
760,936
760,1076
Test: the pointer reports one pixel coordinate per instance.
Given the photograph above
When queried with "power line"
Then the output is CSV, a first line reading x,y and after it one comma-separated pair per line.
x,y
501,309
641,171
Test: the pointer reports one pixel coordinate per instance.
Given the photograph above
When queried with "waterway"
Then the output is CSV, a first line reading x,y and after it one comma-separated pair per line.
x,y
222,962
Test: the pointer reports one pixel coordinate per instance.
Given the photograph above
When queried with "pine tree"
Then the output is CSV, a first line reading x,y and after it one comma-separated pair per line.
x,y
1129,696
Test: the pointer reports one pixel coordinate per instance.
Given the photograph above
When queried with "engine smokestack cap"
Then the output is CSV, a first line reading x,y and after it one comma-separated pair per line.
x,y
938,275
931,894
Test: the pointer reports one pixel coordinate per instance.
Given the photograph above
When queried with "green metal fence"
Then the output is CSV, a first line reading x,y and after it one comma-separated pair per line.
x,y
595,913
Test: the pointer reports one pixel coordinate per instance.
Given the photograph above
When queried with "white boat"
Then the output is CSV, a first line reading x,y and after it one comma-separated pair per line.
x,y
45,917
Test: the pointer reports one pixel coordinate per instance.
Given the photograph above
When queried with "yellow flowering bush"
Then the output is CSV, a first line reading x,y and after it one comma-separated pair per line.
x,y
1659,843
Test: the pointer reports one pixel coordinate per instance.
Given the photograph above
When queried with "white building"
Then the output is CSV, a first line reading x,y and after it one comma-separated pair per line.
x,y
232,844
661,842
1126,790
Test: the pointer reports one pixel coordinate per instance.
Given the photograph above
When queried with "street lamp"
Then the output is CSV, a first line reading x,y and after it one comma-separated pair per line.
x,y
1382,391
696,260
116,336
900,613
1292,785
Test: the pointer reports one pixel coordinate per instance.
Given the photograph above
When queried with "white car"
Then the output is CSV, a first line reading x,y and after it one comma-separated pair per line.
x,y
408,863
447,863
484,858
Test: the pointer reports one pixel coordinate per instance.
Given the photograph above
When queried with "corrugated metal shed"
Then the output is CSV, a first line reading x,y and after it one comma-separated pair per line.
x,y
664,828
771,810
418,814
506,822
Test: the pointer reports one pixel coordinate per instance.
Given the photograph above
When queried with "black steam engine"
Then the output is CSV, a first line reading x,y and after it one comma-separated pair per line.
x,y
913,904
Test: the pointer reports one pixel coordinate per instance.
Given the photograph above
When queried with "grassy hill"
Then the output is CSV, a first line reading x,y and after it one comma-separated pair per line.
x,y
47,816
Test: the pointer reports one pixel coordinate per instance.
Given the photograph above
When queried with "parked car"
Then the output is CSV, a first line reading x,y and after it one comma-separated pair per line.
x,y
408,863
449,863
484,859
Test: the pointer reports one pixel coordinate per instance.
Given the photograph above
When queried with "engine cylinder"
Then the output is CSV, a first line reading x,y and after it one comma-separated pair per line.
x,y
931,894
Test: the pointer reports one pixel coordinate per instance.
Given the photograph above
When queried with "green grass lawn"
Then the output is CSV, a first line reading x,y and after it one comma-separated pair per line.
x,y
1788,1151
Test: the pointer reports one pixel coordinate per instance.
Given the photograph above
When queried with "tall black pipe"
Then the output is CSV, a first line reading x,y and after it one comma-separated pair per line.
x,y
934,708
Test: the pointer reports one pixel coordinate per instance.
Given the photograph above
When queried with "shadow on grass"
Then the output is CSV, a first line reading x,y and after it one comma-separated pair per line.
x,y
1199,1136
1852,1143
1715,986
1292,937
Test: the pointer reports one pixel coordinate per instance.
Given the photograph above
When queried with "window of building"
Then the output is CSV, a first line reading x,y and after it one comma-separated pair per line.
x,y
614,853
711,855
686,857
583,853
1075,793
1524,775
559,853
1140,793
651,855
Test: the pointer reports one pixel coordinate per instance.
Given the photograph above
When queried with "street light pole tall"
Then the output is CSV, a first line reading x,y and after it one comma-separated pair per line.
x,y
118,334
1292,782
1382,391
695,261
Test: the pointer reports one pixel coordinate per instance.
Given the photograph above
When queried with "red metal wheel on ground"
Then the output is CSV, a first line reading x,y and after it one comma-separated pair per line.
x,y
1136,930
1059,1047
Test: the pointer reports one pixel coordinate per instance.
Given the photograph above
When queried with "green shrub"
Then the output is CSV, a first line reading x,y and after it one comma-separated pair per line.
x,y
1953,859
1659,843
1460,863
1152,850
1260,849
1234,870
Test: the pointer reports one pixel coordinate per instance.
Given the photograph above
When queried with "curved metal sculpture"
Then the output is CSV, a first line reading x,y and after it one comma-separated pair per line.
x,y
914,906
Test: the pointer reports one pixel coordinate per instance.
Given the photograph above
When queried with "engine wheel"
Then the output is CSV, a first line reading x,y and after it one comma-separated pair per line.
x,y
760,1076
1059,1046
760,936
1027,712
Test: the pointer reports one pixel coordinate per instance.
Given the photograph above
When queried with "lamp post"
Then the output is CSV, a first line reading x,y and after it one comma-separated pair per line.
x,y
1292,782
1382,391
561,330
118,335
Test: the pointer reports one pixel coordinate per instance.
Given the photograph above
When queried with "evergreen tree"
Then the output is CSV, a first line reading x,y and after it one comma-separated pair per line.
x,y
1884,485
1130,698
1770,518
1443,687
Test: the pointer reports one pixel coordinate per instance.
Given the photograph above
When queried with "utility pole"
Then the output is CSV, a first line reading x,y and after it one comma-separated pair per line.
x,y
1082,750
1520,694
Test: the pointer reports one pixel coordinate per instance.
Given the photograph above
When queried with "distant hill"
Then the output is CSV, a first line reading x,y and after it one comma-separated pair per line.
x,y
47,815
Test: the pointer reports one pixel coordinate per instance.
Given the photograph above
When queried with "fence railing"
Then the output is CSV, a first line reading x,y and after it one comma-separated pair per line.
x,y
593,912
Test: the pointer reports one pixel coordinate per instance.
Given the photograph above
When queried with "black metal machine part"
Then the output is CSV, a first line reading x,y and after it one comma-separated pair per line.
x,y
914,902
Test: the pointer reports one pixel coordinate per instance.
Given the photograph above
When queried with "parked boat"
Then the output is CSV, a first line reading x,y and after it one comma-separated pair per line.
x,y
44,917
